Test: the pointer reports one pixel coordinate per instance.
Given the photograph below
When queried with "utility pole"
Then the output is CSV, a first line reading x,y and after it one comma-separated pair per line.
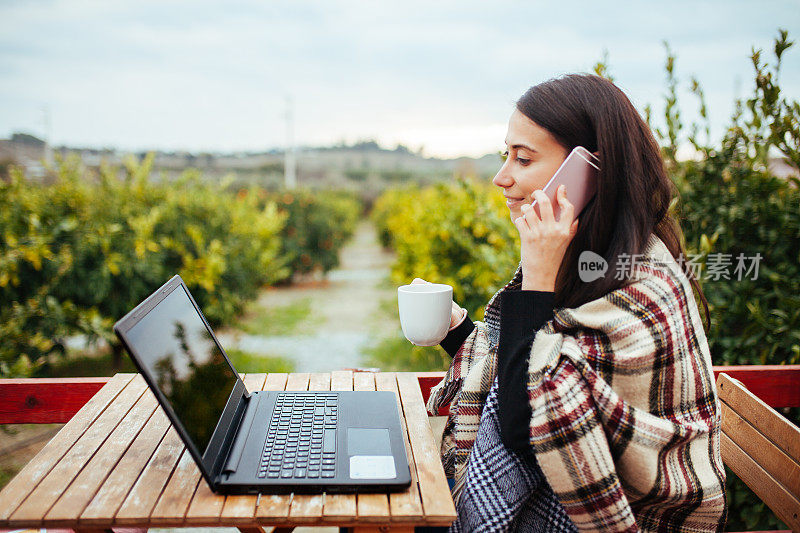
x,y
48,149
289,155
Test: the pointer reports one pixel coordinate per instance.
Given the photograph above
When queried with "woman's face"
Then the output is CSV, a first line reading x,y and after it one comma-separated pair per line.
x,y
533,157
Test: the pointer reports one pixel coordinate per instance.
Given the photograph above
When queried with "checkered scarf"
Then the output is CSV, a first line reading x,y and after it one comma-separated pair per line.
x,y
625,416
504,491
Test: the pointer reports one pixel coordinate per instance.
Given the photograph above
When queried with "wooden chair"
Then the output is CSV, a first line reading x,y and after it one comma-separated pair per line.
x,y
762,448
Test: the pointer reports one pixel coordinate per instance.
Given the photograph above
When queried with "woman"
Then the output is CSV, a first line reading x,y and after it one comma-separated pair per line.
x,y
585,405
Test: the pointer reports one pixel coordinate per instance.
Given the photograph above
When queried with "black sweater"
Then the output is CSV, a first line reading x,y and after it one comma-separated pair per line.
x,y
522,313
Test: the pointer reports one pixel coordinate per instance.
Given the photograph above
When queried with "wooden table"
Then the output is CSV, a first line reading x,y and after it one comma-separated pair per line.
x,y
118,462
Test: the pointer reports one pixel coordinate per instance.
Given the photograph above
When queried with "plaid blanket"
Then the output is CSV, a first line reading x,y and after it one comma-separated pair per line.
x,y
625,418
505,491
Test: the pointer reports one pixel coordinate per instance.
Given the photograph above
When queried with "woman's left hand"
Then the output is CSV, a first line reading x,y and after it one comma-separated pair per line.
x,y
545,240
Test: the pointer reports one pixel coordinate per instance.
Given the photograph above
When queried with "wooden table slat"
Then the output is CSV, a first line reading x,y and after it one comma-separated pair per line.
x,y
298,381
319,381
39,501
274,508
206,506
406,505
255,381
29,477
276,381
117,485
239,509
364,381
342,380
97,469
338,506
174,501
145,492
436,503
307,508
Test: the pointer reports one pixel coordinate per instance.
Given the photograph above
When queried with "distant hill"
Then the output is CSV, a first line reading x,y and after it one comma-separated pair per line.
x,y
360,165
363,166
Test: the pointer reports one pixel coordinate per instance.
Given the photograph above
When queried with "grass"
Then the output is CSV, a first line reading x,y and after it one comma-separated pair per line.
x,y
396,354
102,364
6,474
20,443
388,306
86,365
387,283
283,320
248,362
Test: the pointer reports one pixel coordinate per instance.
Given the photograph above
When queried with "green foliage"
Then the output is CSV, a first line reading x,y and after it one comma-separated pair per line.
x,y
773,121
602,69
77,365
357,174
102,364
755,319
318,225
390,202
457,233
746,511
396,354
6,475
78,254
672,114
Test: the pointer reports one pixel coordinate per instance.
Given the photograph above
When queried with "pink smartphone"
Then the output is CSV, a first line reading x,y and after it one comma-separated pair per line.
x,y
579,173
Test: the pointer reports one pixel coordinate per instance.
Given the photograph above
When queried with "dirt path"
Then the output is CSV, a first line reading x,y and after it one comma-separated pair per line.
x,y
349,311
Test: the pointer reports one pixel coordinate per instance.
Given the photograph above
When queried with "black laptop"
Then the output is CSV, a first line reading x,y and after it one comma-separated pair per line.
x,y
265,441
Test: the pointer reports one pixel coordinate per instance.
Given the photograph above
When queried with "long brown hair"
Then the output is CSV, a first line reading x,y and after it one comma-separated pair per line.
x,y
633,191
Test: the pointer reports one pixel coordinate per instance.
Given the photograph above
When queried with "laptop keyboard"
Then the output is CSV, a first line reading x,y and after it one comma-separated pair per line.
x,y
301,440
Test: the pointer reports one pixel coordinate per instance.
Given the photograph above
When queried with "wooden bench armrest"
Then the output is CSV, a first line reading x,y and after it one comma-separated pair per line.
x,y
762,448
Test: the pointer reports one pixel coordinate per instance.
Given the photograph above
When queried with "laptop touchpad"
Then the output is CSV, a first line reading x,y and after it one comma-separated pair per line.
x,y
368,441
370,453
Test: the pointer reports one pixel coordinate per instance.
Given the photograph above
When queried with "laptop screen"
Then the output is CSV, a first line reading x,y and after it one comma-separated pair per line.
x,y
179,353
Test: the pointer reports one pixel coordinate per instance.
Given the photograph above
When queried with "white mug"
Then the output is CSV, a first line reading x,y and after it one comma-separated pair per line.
x,y
425,310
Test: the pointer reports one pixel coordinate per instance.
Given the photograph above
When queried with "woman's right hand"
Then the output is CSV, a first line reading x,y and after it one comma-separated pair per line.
x,y
456,313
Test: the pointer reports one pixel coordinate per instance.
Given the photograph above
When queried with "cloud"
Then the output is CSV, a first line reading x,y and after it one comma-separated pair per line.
x,y
206,75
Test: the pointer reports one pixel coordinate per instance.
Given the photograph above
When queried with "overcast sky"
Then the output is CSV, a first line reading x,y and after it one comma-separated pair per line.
x,y
215,76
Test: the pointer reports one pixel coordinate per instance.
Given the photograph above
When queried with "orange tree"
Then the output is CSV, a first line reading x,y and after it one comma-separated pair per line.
x,y
457,233
77,254
318,223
